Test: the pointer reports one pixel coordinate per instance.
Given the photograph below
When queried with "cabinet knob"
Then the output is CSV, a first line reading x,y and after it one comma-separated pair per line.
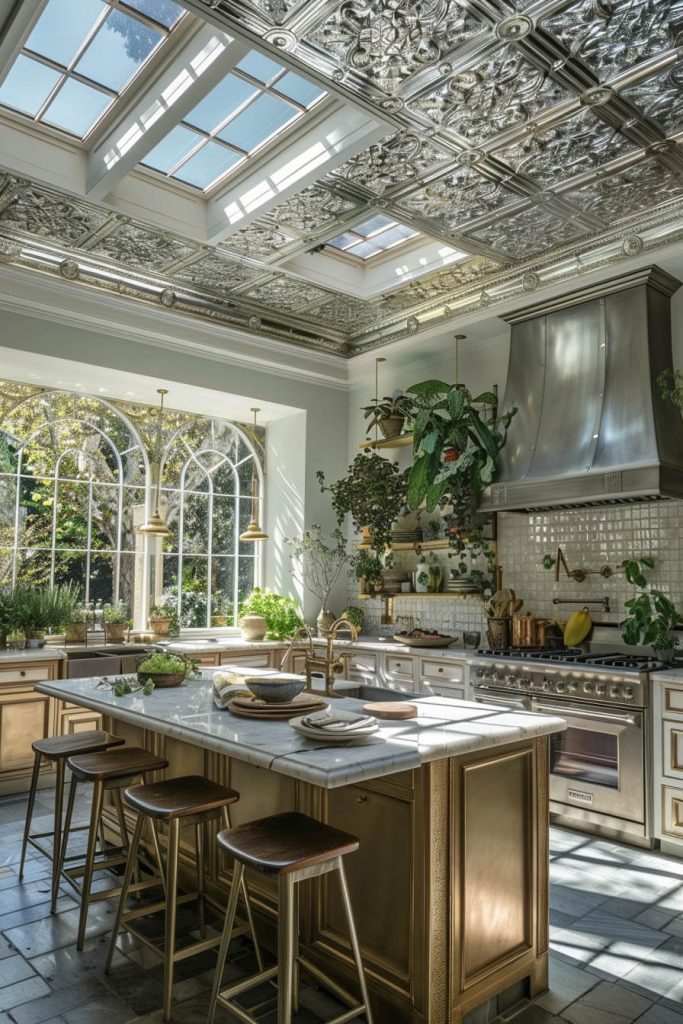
x,y
441,669
361,799
22,672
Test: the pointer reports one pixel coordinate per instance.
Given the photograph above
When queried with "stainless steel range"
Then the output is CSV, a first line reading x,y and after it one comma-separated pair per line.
x,y
601,766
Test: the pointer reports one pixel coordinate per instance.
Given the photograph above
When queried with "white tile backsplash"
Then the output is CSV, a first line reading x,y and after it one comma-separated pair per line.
x,y
589,537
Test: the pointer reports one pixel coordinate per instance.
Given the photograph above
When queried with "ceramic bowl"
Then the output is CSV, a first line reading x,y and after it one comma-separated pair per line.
x,y
275,689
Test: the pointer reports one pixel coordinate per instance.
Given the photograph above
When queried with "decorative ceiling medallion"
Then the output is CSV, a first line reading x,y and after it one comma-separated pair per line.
x,y
484,298
282,39
69,269
167,297
9,250
255,323
470,157
632,245
511,29
596,97
530,281
412,324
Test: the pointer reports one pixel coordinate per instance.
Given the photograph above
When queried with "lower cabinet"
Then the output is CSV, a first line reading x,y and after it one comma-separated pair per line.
x,y
71,719
25,716
667,709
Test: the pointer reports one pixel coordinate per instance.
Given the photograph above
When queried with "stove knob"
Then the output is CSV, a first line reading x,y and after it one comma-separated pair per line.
x,y
587,687
499,677
615,691
545,685
560,686
525,681
481,674
600,689
628,693
571,686
511,679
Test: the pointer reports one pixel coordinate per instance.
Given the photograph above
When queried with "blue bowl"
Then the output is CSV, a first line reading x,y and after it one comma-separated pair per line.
x,y
275,689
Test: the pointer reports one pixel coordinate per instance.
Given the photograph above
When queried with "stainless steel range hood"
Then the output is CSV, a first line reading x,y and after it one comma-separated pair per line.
x,y
591,427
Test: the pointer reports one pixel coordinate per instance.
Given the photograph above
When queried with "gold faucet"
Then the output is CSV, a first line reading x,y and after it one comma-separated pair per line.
x,y
330,666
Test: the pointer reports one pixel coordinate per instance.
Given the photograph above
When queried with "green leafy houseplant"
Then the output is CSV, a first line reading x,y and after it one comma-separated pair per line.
x,y
368,567
356,616
164,669
455,448
373,493
389,413
652,615
163,618
281,613
115,614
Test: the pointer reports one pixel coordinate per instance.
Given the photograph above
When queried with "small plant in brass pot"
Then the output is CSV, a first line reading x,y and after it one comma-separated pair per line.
x,y
116,622
162,616
165,670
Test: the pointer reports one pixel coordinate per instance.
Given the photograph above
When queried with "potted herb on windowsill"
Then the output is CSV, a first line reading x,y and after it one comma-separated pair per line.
x,y
279,616
80,621
652,617
162,617
389,413
116,622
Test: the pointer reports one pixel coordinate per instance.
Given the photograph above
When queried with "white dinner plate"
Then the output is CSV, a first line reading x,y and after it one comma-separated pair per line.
x,y
330,736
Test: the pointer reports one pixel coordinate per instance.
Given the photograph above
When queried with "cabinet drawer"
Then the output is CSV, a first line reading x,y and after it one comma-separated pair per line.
x,y
399,666
361,663
672,749
672,702
444,690
36,673
442,671
672,812
248,660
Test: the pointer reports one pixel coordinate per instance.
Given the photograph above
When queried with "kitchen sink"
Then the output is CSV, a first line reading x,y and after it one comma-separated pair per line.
x,y
374,693
104,661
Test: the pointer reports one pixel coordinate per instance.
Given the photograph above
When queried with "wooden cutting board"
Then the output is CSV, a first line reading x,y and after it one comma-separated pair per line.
x,y
390,709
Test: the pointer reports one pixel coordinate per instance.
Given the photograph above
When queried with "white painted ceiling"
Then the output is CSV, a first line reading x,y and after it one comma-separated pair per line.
x,y
538,138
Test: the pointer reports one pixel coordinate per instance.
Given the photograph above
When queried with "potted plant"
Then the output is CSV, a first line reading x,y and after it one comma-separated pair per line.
x,y
219,611
280,615
373,493
390,413
39,609
162,617
15,639
164,669
368,568
116,622
652,617
80,620
356,617
318,566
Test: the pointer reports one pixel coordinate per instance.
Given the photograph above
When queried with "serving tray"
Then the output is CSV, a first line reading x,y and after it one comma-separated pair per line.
x,y
425,641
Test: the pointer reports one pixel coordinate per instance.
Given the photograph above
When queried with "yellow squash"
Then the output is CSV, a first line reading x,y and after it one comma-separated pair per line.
x,y
579,625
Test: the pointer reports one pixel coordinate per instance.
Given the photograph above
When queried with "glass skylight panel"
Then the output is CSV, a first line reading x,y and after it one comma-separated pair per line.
x,y
89,51
250,106
378,234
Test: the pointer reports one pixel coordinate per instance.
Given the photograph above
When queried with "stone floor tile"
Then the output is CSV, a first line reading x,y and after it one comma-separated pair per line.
x,y
13,969
108,1009
615,999
59,1002
27,991
659,1014
66,966
565,985
534,1014
574,902
137,988
655,917
674,926
581,1013
59,930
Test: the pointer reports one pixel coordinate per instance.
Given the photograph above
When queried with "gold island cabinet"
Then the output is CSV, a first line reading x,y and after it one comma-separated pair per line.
x,y
449,887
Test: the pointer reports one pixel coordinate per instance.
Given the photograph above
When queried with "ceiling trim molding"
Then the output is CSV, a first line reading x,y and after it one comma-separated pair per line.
x,y
267,356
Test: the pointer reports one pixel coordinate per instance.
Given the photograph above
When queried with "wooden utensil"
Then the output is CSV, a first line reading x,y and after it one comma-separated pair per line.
x,y
390,709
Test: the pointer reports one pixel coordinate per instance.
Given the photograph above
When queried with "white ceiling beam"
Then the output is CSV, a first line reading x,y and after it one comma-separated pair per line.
x,y
15,29
204,61
338,133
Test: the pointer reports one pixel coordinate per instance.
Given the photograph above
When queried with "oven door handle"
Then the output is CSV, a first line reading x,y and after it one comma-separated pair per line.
x,y
599,716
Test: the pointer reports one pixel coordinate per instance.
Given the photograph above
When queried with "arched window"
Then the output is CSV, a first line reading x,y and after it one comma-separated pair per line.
x,y
207,494
72,469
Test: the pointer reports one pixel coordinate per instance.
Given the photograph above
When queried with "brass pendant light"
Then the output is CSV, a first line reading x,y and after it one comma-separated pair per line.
x,y
253,531
155,526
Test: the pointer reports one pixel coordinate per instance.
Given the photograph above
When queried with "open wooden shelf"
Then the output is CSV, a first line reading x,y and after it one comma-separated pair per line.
x,y
442,596
413,545
402,441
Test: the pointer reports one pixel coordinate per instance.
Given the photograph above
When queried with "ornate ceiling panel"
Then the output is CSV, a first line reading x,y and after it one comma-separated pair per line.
x,y
526,133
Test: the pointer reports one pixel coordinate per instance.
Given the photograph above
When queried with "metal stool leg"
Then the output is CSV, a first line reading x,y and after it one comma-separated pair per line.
x,y
295,949
228,925
199,839
128,874
355,945
285,948
171,897
65,838
157,851
29,812
57,838
247,901
97,799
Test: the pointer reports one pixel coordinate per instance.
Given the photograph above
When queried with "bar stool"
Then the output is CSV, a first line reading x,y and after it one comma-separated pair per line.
x,y
189,800
293,847
108,770
58,749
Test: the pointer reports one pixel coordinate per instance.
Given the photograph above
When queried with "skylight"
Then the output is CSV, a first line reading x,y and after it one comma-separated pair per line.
x,y
80,57
373,236
257,101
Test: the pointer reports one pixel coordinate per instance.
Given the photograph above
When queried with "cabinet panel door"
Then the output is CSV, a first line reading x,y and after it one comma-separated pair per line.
x,y
73,719
672,749
24,717
673,699
250,660
672,812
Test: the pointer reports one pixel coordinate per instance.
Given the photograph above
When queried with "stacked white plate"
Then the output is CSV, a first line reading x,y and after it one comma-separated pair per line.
x,y
462,587
332,726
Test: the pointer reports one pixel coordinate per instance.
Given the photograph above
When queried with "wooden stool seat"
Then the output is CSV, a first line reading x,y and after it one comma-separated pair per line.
x,y
54,747
285,842
118,763
179,798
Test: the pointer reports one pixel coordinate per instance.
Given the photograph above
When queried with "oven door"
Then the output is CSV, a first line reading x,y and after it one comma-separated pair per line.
x,y
502,698
599,762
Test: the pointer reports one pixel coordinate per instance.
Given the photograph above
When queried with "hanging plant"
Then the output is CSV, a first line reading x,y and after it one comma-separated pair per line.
x,y
455,450
373,493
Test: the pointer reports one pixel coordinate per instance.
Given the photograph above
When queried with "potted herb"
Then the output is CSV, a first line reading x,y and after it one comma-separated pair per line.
x,y
390,413
164,669
80,620
652,616
356,616
39,609
280,615
161,618
318,566
373,493
15,639
116,622
368,568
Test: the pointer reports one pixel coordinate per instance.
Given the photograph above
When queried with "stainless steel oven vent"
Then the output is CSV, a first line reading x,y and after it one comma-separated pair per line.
x,y
591,427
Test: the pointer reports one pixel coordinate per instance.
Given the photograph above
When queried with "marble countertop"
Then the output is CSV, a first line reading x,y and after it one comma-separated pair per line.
x,y
443,728
669,675
456,652
38,654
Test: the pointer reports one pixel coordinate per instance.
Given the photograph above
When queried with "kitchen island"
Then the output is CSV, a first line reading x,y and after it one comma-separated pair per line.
x,y
450,884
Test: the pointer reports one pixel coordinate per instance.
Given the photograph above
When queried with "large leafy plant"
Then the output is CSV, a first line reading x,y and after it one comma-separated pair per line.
x,y
281,613
652,615
373,493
